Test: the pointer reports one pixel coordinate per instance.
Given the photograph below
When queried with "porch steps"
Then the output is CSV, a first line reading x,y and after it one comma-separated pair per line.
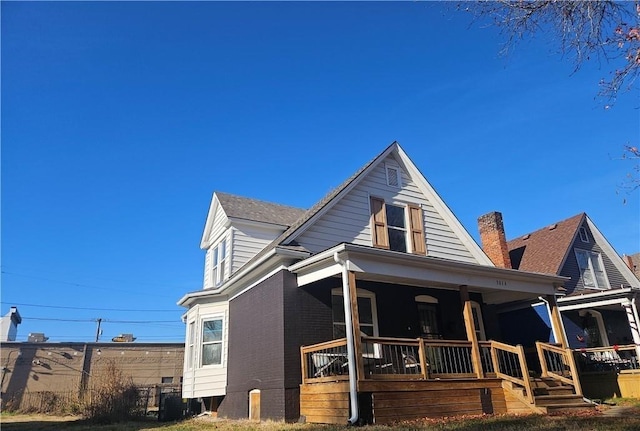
x,y
550,396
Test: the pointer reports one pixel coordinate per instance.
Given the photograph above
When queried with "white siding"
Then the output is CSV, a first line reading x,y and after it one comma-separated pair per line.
x,y
210,380
247,241
348,219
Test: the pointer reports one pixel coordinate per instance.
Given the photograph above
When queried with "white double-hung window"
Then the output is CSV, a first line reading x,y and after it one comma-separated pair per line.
x,y
218,263
591,269
212,341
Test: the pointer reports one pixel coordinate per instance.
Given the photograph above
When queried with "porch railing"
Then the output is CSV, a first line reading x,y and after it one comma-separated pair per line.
x,y
325,361
612,358
393,358
510,364
405,358
558,364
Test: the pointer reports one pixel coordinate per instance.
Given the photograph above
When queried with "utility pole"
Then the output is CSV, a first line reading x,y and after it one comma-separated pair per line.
x,y
99,320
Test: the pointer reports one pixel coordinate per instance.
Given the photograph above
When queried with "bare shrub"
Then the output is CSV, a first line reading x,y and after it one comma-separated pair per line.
x,y
112,397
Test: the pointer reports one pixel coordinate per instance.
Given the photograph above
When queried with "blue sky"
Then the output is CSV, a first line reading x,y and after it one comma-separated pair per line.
x,y
120,119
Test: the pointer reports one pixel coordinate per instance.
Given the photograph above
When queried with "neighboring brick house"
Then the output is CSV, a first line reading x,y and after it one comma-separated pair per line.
x,y
599,307
68,369
633,262
381,257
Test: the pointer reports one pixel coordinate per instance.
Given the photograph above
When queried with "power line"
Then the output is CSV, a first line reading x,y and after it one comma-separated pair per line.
x,y
111,280
90,308
78,284
103,320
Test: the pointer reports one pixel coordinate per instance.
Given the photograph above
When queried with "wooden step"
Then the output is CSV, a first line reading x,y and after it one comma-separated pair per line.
x,y
549,400
553,390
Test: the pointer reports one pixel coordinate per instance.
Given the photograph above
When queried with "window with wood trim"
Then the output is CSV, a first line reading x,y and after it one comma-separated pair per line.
x,y
389,228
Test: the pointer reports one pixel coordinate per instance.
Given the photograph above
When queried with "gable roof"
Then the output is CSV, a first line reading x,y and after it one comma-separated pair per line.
x,y
287,239
545,250
256,210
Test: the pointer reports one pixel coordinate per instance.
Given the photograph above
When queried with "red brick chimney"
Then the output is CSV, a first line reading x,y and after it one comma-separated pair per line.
x,y
494,241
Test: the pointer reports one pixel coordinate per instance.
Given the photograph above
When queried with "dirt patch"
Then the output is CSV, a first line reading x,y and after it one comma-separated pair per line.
x,y
8,419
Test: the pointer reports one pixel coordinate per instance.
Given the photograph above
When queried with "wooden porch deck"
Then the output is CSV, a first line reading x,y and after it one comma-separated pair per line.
x,y
403,379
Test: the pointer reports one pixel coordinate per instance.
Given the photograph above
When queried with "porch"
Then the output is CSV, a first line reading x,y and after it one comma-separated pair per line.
x,y
401,379
410,340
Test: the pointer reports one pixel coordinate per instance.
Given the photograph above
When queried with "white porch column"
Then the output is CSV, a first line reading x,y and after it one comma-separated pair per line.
x,y
631,310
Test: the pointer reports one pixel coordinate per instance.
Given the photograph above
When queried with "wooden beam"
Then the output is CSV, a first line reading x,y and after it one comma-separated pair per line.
x,y
556,322
355,320
467,313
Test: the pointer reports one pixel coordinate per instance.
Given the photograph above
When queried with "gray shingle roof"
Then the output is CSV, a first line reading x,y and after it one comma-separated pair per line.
x,y
256,210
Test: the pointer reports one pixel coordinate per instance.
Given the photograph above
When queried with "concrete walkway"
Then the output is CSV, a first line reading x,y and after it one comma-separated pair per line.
x,y
618,411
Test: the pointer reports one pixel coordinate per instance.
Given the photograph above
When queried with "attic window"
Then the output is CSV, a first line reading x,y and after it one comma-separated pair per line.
x,y
527,236
584,236
553,226
393,175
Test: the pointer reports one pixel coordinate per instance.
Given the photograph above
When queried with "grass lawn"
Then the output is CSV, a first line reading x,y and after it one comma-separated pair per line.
x,y
625,420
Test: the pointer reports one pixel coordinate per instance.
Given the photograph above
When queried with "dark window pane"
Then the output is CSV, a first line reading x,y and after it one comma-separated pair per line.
x,y
364,310
397,240
338,308
339,330
395,216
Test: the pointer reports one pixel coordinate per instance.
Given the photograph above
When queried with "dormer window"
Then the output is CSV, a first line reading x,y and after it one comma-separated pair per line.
x,y
394,227
591,269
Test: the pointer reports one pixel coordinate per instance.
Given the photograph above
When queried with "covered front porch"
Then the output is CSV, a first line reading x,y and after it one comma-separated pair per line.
x,y
386,362
603,328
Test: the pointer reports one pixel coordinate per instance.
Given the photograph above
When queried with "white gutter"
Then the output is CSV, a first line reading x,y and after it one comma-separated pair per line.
x,y
237,277
351,355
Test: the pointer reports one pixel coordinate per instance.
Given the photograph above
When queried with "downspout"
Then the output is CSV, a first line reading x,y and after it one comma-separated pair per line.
x,y
634,309
351,355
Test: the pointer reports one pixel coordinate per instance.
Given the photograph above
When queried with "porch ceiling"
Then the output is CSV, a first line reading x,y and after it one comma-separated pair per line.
x,y
497,285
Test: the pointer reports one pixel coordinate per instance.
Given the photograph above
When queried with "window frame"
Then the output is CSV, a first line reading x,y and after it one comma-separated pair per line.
x,y
584,235
218,266
590,257
191,346
360,293
202,343
414,232
429,300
